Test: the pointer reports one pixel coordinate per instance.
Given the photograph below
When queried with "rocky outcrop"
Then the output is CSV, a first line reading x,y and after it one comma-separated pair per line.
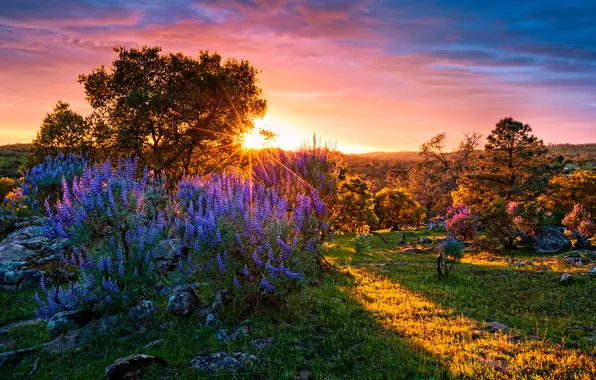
x,y
551,240
133,366
22,253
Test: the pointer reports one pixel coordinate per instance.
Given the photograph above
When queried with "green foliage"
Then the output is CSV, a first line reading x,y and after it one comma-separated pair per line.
x,y
176,113
450,252
515,166
6,186
62,131
362,243
508,224
352,209
565,191
395,208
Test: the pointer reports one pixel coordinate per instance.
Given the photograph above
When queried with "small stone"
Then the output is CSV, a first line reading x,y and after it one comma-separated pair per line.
x,y
222,336
528,262
592,271
261,344
494,327
519,264
241,332
424,240
565,277
183,300
211,320
220,300
498,364
218,361
144,311
133,366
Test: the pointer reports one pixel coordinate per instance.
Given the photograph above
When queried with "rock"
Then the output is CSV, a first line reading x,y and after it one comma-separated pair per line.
x,y
222,335
519,264
218,361
261,344
220,300
528,262
494,327
211,320
67,320
241,332
145,310
20,252
16,355
168,252
183,300
592,271
424,240
497,364
565,278
576,260
133,366
551,240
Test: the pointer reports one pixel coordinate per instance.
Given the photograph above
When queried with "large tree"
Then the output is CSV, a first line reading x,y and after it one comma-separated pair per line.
x,y
62,131
515,166
431,181
176,113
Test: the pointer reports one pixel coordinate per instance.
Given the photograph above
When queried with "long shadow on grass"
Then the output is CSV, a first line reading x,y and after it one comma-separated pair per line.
x,y
445,317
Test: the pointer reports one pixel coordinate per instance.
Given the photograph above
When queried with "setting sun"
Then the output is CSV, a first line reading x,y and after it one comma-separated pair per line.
x,y
253,139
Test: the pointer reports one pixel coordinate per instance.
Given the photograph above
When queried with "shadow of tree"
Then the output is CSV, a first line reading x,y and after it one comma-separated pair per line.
x,y
445,317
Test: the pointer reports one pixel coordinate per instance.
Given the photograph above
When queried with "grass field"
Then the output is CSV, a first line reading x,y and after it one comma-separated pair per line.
x,y
12,157
377,314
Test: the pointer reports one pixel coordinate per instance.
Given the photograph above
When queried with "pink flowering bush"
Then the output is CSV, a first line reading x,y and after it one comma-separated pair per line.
x,y
461,223
508,224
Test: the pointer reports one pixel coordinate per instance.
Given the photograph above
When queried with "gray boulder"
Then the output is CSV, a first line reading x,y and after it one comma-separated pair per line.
x,y
21,252
143,311
219,361
133,366
565,278
183,301
68,320
592,272
551,240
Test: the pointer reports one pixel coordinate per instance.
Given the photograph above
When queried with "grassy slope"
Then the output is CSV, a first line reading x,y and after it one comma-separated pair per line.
x,y
369,320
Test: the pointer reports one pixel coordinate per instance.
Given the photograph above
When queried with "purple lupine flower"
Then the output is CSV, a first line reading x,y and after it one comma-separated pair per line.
x,y
267,286
222,267
236,283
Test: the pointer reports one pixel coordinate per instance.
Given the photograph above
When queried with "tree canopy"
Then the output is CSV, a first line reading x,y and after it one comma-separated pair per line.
x,y
176,113
515,166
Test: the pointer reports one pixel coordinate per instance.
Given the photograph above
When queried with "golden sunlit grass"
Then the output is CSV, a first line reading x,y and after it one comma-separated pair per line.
x,y
460,343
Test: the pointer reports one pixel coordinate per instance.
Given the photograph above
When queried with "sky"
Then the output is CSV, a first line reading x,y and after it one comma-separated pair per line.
x,y
368,75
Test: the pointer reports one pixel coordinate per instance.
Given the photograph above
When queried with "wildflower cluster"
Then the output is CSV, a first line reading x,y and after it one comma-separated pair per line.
x,y
243,235
44,181
115,234
461,223
131,238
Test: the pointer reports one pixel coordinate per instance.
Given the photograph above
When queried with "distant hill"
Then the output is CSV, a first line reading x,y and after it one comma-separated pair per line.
x,y
375,165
